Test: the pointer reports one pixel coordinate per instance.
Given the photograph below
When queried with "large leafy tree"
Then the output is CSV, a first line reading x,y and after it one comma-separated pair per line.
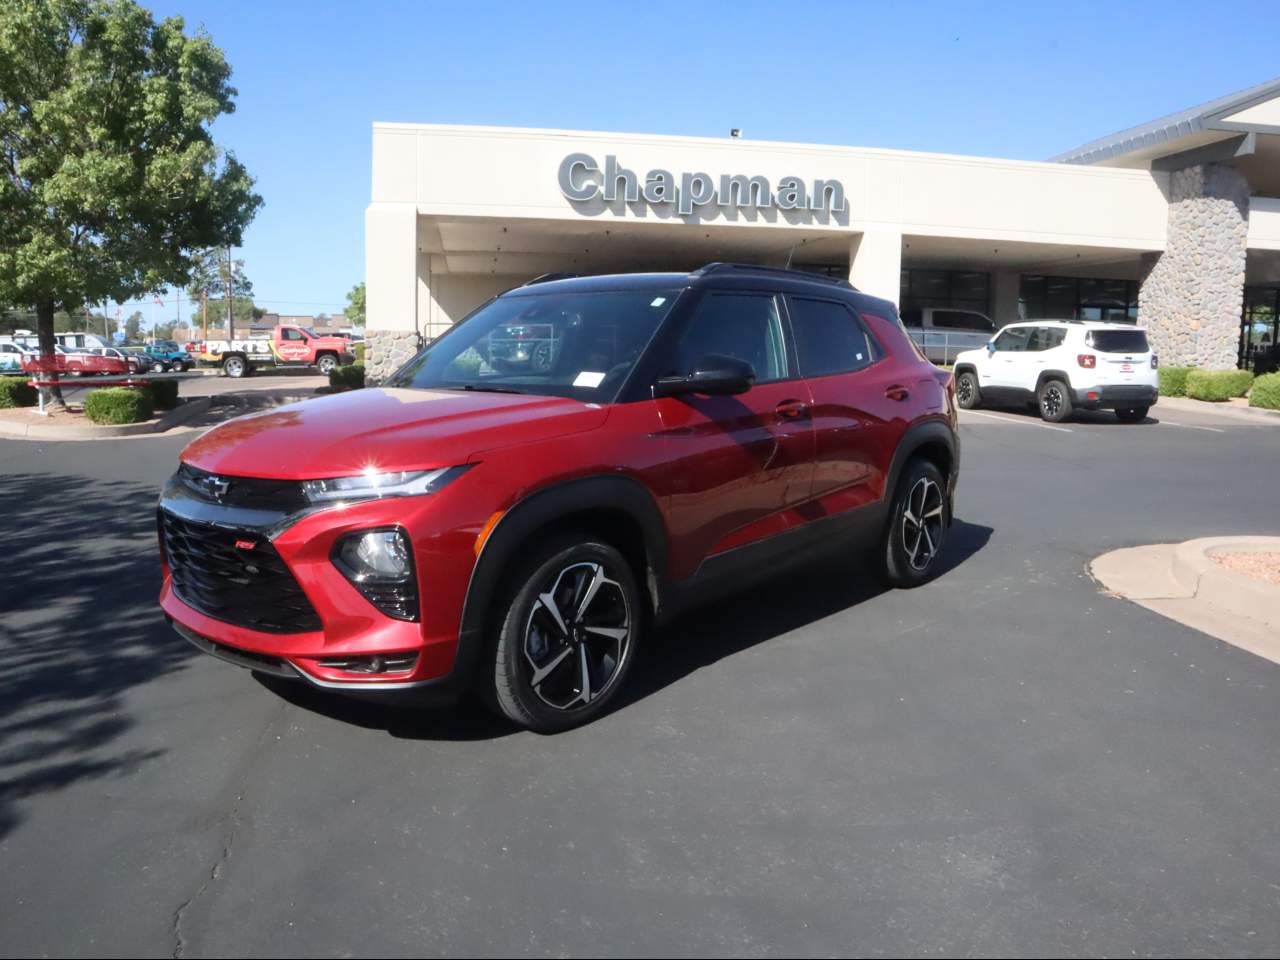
x,y
110,182
355,306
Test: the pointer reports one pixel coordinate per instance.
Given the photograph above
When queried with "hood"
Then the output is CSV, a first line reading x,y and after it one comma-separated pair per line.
x,y
389,429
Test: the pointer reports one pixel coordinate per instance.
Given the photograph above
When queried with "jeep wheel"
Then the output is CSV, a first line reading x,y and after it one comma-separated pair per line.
x,y
569,635
235,367
326,364
918,523
1055,401
1132,414
967,393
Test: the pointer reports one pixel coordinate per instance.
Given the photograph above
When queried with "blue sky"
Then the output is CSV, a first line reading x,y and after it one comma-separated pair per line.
x,y
1021,80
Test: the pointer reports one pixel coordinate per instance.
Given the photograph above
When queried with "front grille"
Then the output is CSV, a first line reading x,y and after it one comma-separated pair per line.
x,y
249,586
253,492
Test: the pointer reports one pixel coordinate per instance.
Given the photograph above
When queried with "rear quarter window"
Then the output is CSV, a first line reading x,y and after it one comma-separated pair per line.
x,y
1118,341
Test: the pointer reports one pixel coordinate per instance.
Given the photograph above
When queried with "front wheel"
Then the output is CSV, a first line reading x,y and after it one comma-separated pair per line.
x,y
1132,414
326,364
967,393
918,522
1054,399
571,630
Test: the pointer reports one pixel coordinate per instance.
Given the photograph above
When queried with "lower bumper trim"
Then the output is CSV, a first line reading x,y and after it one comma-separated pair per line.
x,y
263,663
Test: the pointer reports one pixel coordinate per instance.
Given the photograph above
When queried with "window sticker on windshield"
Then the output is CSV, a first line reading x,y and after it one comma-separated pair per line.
x,y
589,378
658,301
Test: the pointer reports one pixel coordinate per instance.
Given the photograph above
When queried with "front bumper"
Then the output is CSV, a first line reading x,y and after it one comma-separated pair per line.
x,y
1111,396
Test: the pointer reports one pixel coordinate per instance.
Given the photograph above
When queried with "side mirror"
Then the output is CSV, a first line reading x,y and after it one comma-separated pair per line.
x,y
714,375
991,347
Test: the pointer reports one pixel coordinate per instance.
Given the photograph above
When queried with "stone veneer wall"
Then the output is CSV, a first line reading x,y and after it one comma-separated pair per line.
x,y
385,351
1192,299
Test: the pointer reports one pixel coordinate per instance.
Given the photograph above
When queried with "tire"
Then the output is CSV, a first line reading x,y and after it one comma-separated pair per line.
x,y
1132,414
235,367
541,597
179,367
1054,398
967,393
327,363
161,367
916,535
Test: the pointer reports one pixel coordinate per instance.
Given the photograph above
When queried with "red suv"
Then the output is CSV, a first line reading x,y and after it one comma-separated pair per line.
x,y
519,528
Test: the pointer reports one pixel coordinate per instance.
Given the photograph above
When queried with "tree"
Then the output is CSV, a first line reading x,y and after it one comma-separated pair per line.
x,y
355,306
133,326
109,177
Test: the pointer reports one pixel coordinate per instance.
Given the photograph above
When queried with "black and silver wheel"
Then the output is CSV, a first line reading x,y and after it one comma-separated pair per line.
x,y
1054,398
540,360
235,367
569,635
967,394
326,364
918,523
1132,414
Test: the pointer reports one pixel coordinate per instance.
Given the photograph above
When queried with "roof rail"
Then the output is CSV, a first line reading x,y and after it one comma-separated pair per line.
x,y
718,267
548,277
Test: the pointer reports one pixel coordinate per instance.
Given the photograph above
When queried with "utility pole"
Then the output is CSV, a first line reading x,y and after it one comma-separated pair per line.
x,y
204,312
231,320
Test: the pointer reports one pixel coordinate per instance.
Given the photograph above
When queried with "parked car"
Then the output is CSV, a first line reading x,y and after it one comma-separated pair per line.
x,y
166,355
135,362
1061,365
519,531
943,332
11,358
288,346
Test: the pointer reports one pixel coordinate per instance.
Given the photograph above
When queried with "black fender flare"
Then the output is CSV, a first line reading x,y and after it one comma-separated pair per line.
x,y
1053,375
960,368
614,492
935,431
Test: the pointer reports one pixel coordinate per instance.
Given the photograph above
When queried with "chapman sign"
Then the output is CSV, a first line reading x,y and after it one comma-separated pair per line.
x,y
582,179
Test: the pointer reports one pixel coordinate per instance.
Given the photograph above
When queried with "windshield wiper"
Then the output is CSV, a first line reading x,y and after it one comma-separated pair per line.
x,y
475,388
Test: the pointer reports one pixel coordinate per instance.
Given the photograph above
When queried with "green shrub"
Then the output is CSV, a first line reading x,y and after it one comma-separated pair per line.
x,y
359,353
1266,392
164,394
119,405
1173,381
350,377
16,392
1218,385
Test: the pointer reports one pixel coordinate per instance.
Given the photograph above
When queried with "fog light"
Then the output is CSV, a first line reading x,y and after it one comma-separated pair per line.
x,y
379,563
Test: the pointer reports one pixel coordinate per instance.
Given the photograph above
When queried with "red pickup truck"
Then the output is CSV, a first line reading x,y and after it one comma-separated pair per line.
x,y
288,346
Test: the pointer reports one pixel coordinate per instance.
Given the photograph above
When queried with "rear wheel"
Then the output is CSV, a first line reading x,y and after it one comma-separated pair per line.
x,y
1132,414
967,393
1055,401
572,624
918,522
235,367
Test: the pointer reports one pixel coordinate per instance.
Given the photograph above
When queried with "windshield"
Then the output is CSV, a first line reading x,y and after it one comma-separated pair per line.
x,y
1118,341
579,345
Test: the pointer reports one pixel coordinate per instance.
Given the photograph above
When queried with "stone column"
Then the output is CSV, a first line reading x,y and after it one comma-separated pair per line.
x,y
1192,299
875,263
391,275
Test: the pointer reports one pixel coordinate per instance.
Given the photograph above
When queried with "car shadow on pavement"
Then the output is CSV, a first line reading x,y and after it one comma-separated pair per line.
x,y
79,629
695,640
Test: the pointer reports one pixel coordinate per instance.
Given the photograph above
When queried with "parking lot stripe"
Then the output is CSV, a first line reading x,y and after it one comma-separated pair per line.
x,y
1025,423
1191,426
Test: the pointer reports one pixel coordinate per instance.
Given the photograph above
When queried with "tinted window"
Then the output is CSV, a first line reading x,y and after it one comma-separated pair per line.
x,y
1118,341
289,333
962,320
740,325
1013,340
1045,338
829,338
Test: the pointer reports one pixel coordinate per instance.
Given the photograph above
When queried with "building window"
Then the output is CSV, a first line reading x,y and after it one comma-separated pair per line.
x,y
1260,329
1077,298
961,289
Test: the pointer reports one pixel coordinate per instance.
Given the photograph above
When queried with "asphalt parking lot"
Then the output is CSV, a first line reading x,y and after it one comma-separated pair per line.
x,y
1004,762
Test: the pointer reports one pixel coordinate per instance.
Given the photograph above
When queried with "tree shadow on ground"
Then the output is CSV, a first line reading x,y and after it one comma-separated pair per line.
x,y
698,639
79,628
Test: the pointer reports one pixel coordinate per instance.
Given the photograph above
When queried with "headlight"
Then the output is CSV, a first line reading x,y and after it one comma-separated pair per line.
x,y
379,563
372,485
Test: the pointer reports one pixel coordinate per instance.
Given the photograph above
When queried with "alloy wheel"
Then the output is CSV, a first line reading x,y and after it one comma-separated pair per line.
x,y
964,391
1051,400
922,523
577,636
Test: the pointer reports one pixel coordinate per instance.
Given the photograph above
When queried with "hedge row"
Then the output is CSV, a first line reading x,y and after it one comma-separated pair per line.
x,y
119,405
1218,385
350,377
16,392
164,394
1173,381
1266,392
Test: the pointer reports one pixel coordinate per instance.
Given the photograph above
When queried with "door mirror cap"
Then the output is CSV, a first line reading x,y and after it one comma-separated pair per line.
x,y
991,347
714,375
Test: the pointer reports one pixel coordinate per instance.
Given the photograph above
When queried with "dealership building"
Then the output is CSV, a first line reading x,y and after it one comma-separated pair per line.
x,y
1174,223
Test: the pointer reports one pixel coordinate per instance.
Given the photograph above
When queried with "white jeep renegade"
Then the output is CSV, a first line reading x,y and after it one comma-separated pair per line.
x,y
1060,365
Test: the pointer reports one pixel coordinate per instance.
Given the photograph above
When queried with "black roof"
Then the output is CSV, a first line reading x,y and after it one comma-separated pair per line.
x,y
567,283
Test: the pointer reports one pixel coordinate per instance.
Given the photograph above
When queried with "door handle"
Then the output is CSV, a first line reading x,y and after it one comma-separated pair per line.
x,y
897,392
791,409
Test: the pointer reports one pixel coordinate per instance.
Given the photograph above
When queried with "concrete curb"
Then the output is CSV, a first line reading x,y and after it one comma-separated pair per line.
x,y
1251,414
1184,582
172,418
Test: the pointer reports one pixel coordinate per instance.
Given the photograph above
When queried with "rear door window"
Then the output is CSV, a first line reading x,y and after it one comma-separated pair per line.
x,y
1118,341
830,338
